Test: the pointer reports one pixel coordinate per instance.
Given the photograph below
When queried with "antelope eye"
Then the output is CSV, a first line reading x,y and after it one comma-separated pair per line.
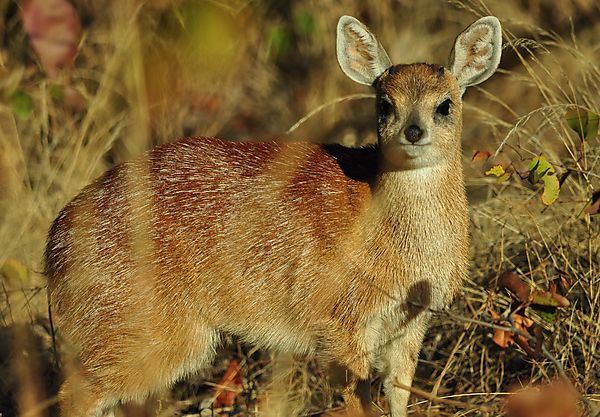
x,y
444,108
385,106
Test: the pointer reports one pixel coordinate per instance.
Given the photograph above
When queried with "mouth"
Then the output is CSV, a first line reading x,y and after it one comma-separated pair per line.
x,y
413,149
407,155
415,144
398,152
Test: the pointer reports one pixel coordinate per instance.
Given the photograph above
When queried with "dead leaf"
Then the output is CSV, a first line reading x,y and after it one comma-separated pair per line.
x,y
539,340
512,282
230,386
555,399
480,156
73,100
522,323
205,103
562,301
54,29
565,281
594,207
503,338
506,338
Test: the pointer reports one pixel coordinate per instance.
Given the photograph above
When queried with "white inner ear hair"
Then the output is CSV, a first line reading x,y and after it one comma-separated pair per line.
x,y
360,48
475,52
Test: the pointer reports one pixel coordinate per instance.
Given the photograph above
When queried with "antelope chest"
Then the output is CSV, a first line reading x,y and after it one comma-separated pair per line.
x,y
421,266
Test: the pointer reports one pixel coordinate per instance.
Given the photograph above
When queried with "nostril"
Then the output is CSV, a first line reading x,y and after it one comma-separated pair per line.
x,y
413,133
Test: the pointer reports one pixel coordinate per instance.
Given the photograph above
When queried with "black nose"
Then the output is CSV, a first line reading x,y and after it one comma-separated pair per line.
x,y
413,133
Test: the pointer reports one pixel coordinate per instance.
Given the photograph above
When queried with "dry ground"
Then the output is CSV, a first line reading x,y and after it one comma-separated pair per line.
x,y
148,72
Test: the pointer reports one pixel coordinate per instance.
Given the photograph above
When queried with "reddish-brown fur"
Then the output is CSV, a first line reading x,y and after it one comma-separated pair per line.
x,y
310,249
213,219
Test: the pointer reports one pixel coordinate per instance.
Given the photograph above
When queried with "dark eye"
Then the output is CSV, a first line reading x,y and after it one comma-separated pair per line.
x,y
385,106
444,107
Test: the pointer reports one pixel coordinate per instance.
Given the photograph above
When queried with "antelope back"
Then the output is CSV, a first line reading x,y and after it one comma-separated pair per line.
x,y
241,225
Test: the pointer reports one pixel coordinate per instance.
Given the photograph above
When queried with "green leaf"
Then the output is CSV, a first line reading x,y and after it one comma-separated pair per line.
x,y
584,122
21,104
544,298
546,313
14,271
56,91
498,171
304,23
538,168
551,188
279,41
534,175
541,170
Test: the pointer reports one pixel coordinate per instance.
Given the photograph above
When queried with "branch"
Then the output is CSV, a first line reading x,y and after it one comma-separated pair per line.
x,y
434,398
513,329
329,103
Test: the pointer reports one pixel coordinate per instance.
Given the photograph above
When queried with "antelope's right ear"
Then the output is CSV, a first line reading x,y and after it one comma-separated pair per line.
x,y
361,57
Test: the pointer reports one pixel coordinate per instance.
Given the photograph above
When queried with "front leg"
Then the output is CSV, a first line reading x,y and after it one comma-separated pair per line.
x,y
399,359
357,397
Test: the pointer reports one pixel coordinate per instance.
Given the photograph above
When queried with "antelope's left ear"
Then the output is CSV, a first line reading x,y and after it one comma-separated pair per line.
x,y
476,52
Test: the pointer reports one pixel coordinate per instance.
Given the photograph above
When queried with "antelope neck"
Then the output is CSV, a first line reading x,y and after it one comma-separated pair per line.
x,y
404,195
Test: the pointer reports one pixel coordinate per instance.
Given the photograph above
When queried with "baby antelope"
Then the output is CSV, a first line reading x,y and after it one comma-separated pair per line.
x,y
334,252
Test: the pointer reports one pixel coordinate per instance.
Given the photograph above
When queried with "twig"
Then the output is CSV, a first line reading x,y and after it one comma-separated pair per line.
x,y
513,329
52,331
24,290
324,105
326,412
224,387
433,398
41,406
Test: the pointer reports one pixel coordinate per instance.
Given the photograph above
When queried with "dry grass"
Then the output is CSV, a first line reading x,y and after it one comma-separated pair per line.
x,y
253,70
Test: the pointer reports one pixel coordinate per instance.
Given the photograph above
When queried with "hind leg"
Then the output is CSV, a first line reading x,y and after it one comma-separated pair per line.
x,y
352,368
152,367
134,370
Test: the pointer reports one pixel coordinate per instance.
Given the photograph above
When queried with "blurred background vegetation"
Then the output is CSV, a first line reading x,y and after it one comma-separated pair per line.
x,y
87,84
